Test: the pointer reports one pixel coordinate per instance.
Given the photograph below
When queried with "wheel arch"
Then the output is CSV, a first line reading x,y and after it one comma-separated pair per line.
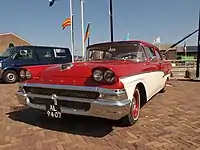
x,y
11,68
143,93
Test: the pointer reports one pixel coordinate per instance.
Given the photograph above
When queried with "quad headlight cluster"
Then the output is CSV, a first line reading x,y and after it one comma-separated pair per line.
x,y
25,74
102,75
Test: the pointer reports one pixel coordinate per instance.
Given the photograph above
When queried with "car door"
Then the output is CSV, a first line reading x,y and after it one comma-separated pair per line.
x,y
162,66
165,67
154,69
45,55
62,55
24,56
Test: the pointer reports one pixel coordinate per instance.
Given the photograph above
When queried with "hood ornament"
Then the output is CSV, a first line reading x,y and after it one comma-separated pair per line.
x,y
65,66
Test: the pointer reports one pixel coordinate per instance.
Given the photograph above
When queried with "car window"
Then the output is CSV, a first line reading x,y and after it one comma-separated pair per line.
x,y
149,52
158,55
116,51
44,53
8,52
61,53
24,54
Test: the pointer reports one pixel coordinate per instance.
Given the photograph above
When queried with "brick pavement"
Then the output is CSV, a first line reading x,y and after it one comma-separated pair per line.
x,y
169,121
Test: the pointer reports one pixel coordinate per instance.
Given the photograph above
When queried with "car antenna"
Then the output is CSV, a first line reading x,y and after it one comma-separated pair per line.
x,y
172,46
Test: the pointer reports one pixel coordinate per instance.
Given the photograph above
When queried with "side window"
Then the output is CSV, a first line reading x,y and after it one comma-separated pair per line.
x,y
61,53
24,54
149,52
44,53
158,55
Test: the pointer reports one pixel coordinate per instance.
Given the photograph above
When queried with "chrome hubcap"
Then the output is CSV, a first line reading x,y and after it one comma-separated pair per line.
x,y
10,76
136,104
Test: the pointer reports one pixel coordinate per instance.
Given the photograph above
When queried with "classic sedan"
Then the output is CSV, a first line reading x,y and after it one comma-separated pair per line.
x,y
114,82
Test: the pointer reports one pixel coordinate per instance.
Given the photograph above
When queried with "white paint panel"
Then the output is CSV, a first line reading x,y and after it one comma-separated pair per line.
x,y
152,81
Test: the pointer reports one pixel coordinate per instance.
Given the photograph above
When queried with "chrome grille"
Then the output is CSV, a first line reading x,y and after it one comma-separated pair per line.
x,y
62,92
61,103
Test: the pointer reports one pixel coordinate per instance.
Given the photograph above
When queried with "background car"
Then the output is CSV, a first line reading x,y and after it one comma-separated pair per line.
x,y
13,58
117,79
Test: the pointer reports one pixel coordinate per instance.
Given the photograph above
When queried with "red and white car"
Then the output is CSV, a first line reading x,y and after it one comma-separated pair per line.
x,y
114,82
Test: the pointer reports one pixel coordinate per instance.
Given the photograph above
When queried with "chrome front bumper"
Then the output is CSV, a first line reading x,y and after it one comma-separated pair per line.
x,y
104,108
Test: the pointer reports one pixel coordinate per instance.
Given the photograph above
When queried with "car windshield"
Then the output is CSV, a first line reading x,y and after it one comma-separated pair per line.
x,y
7,53
131,51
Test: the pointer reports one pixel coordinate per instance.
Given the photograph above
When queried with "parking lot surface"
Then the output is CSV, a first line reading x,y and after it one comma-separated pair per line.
x,y
170,120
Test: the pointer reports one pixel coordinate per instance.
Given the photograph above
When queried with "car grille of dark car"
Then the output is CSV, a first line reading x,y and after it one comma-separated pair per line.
x,y
61,103
63,92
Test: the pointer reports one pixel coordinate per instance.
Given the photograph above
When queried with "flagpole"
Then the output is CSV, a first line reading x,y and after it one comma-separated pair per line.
x,y
82,26
198,51
88,40
111,21
185,49
72,30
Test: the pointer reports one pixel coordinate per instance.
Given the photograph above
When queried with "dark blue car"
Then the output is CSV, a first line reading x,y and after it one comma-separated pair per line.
x,y
15,57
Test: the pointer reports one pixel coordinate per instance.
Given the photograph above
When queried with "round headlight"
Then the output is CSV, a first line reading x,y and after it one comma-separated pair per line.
x,y
109,76
28,75
22,74
98,75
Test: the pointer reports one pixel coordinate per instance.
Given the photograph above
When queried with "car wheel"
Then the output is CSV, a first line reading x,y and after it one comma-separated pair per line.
x,y
134,113
10,76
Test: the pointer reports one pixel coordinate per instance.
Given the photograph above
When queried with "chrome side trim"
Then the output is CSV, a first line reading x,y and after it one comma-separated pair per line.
x,y
69,87
135,74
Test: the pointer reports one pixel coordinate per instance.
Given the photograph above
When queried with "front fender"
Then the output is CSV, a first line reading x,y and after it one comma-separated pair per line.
x,y
130,84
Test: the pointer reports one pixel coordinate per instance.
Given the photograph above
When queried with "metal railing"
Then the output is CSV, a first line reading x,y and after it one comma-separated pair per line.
x,y
190,63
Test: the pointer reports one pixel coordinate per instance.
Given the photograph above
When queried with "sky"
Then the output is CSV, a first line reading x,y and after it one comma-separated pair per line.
x,y
145,20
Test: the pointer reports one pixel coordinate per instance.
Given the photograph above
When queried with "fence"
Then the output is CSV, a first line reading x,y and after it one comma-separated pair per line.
x,y
190,63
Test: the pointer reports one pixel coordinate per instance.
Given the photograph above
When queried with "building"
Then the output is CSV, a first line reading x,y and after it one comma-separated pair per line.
x,y
179,52
189,52
171,54
11,39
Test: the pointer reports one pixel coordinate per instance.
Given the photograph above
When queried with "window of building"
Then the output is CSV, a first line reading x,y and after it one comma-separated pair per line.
x,y
11,45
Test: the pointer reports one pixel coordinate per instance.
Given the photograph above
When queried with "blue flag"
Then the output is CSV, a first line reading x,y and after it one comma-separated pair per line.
x,y
127,37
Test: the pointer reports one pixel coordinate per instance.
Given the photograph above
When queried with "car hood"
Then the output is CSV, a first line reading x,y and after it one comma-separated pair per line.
x,y
84,69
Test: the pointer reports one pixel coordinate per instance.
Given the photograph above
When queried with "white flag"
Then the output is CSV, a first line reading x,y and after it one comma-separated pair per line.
x,y
156,40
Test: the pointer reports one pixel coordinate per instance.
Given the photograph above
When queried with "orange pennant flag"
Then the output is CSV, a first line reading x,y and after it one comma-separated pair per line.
x,y
66,23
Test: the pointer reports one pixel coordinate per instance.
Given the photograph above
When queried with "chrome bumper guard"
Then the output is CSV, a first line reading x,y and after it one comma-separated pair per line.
x,y
111,104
